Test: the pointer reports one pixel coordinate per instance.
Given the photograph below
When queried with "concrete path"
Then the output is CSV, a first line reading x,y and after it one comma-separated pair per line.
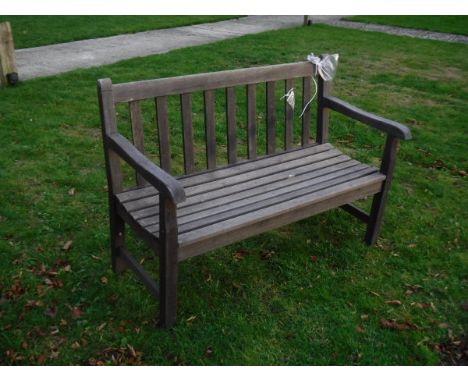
x,y
447,37
59,58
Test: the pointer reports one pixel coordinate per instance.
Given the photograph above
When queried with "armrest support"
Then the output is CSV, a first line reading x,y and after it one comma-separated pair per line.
x,y
390,127
165,183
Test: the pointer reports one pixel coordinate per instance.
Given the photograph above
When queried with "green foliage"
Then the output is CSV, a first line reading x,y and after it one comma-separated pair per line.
x,y
445,24
309,293
31,31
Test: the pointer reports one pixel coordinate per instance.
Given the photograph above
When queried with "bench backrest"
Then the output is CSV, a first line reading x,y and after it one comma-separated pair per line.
x,y
160,90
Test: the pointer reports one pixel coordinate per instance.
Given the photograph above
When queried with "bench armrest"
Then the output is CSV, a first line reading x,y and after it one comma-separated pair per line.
x,y
390,127
165,183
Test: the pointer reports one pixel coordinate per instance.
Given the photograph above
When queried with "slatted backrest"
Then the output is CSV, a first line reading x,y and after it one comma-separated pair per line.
x,y
184,86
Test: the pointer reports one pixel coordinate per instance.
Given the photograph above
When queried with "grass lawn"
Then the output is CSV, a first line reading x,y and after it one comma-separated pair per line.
x,y
31,31
446,24
309,293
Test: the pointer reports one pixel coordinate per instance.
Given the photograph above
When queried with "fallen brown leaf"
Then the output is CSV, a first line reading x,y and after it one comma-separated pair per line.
x,y
393,302
360,329
50,312
76,313
364,317
102,326
190,319
208,352
75,345
314,258
67,245
71,191
393,324
104,280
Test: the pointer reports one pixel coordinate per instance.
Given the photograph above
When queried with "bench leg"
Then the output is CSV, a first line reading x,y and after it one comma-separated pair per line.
x,y
168,264
380,199
117,236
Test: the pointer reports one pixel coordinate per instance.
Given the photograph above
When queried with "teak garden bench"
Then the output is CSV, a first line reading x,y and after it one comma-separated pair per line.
x,y
185,216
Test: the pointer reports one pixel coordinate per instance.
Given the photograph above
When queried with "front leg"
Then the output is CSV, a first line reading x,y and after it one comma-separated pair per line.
x,y
378,204
168,264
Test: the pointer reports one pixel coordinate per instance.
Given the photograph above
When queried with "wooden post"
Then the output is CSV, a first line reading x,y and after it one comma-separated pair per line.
x,y
8,71
307,21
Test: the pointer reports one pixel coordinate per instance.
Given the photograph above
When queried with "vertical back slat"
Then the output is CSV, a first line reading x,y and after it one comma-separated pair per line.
x,y
137,133
324,89
163,133
251,123
210,128
306,95
271,117
231,124
288,117
186,111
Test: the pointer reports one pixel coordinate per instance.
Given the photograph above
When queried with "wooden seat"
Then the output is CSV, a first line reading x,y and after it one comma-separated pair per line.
x,y
226,204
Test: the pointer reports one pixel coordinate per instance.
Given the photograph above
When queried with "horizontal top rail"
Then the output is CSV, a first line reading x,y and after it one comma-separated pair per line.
x,y
133,91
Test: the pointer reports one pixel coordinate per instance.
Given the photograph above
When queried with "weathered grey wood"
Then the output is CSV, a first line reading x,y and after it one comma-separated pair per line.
x,y
378,203
8,69
210,128
251,121
306,96
163,133
113,172
231,124
250,165
288,117
186,111
137,133
109,126
197,212
225,195
133,91
357,212
142,233
271,117
140,272
323,113
268,199
168,266
165,183
390,127
229,231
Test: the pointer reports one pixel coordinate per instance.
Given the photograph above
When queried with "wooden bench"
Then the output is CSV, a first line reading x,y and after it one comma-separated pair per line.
x,y
184,216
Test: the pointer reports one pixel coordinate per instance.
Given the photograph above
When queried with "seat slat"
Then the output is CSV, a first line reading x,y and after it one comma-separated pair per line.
x,y
229,200
257,216
204,188
260,185
242,167
262,197
238,168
